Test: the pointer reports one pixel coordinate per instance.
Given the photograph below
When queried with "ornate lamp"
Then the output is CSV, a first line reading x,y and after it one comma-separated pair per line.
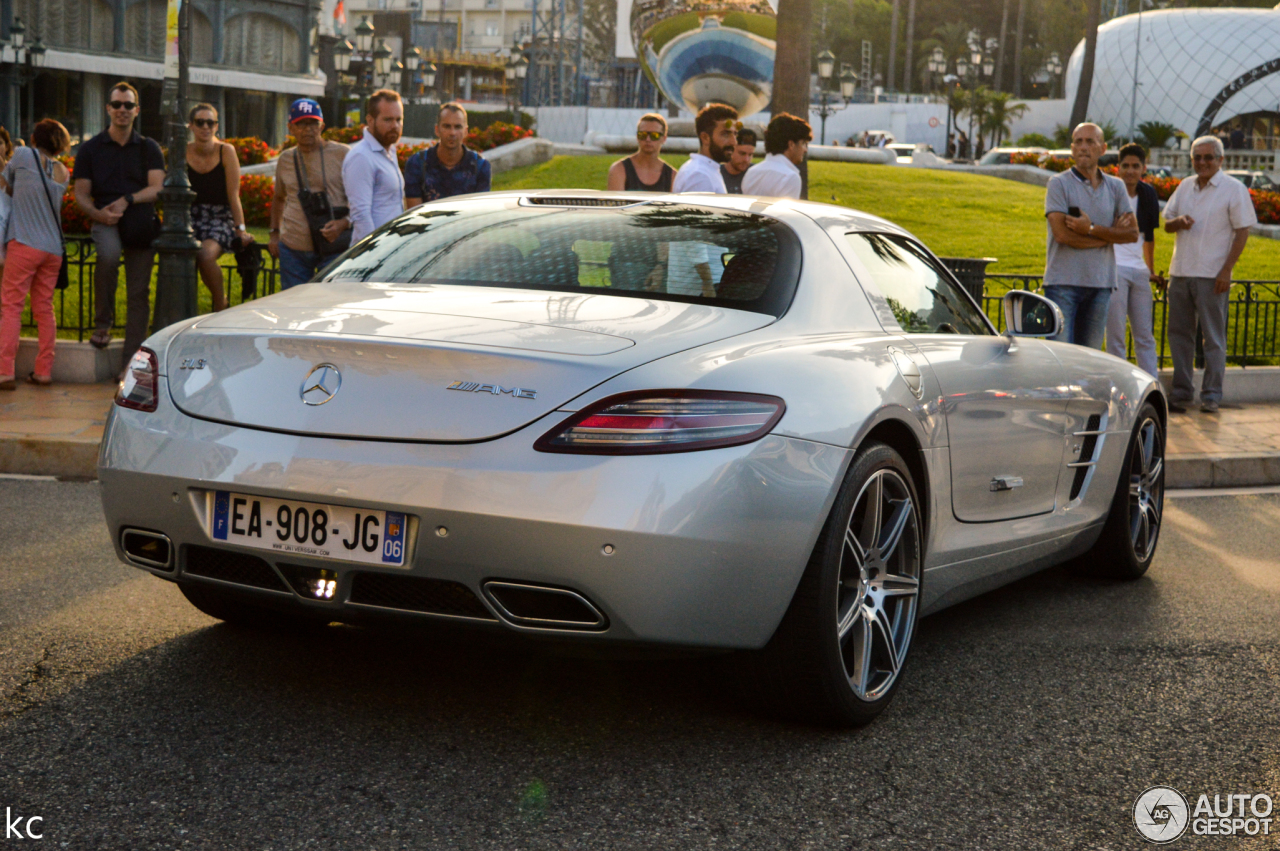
x,y
342,56
848,83
826,64
17,33
364,35
382,59
36,52
429,75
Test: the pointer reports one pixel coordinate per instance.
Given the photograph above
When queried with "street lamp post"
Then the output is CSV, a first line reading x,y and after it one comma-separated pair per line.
x,y
1053,67
515,72
176,291
848,80
24,61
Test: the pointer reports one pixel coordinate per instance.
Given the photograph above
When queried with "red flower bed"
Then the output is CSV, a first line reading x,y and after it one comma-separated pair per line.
x,y
256,191
1056,163
1267,206
405,151
1164,185
251,150
345,135
497,133
1024,158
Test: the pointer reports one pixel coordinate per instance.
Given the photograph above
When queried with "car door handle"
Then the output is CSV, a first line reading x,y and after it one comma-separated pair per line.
x,y
1006,483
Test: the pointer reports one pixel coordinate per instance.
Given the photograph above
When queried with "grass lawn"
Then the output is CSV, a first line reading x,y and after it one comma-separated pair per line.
x,y
956,215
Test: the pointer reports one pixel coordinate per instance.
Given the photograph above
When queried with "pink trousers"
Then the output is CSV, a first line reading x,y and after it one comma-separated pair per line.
x,y
28,270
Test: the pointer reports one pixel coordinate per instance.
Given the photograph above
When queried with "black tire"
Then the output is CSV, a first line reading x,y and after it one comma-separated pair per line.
x,y
234,608
1128,541
838,655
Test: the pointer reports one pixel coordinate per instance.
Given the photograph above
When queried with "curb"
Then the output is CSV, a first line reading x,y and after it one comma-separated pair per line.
x,y
79,459
1222,471
75,459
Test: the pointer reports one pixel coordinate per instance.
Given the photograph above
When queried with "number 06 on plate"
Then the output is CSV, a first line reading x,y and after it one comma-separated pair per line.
x,y
309,529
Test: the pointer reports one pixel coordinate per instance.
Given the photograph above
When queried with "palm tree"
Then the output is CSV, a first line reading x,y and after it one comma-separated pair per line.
x,y
1001,114
1081,107
977,103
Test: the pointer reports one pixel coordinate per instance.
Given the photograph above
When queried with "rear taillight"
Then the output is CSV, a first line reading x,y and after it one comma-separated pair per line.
x,y
652,421
141,382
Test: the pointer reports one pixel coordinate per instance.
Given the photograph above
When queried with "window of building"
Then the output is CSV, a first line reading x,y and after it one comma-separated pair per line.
x,y
262,42
85,24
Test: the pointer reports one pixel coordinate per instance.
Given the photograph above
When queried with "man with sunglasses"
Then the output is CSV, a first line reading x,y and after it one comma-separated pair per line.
x,y
717,126
644,171
114,171
1210,218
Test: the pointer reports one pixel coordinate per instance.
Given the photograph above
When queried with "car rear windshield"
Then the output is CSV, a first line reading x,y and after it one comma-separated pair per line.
x,y
675,252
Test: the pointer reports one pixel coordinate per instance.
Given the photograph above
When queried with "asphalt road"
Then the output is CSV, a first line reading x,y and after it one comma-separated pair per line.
x,y
1031,717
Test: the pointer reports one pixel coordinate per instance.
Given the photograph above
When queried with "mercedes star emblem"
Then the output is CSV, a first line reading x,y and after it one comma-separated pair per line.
x,y
321,384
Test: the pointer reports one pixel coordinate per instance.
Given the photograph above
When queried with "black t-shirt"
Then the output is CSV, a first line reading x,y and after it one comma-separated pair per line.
x,y
732,182
116,170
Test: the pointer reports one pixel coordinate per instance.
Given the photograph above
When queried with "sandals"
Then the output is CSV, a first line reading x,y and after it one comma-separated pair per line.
x,y
100,339
31,379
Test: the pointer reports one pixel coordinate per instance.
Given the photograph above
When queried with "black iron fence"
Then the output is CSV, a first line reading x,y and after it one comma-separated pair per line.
x,y
246,274
1253,318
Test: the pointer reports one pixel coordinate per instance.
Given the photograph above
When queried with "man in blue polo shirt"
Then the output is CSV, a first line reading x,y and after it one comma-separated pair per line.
x,y
447,168
1087,213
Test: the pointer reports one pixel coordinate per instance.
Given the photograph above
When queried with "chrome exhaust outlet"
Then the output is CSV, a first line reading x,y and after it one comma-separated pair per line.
x,y
147,549
544,607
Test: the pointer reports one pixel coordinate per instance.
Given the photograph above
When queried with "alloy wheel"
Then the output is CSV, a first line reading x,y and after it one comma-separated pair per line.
x,y
879,589
1146,489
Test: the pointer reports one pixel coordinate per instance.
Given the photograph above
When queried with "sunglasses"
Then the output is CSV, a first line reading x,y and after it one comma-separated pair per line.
x,y
205,122
651,135
122,104
730,124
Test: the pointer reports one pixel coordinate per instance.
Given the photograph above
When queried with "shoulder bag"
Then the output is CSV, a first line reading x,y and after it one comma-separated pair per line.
x,y
318,209
64,279
139,225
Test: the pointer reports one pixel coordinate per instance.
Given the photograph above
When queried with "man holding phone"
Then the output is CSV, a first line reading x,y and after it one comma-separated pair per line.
x,y
1087,212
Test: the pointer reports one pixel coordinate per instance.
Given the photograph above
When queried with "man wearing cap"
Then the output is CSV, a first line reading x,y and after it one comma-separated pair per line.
x,y
371,173
315,164
447,168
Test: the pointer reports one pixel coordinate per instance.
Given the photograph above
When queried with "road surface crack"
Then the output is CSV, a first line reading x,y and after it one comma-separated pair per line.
x,y
22,697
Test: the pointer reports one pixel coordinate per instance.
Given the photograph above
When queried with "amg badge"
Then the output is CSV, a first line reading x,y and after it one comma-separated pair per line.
x,y
495,389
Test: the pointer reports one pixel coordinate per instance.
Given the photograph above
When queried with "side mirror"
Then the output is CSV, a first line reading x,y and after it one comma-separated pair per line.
x,y
1030,315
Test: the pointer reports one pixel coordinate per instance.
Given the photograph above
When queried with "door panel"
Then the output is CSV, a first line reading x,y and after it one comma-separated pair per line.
x,y
1006,410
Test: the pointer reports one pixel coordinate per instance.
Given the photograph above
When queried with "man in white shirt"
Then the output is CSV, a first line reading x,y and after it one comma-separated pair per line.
x,y
371,171
717,126
1210,217
786,143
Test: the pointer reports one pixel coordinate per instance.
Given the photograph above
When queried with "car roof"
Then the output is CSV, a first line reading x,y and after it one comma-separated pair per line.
x,y
821,214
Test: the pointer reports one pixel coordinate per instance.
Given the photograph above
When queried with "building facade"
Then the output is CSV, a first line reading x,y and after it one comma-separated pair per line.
x,y
249,58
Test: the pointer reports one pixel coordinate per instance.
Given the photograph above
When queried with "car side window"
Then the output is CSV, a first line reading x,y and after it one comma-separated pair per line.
x,y
922,298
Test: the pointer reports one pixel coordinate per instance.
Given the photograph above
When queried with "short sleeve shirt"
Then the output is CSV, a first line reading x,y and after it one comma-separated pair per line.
x,y
699,174
294,231
1104,204
116,170
1218,209
427,178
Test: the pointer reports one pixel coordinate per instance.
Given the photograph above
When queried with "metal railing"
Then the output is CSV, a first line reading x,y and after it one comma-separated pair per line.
x,y
1179,161
1253,318
74,307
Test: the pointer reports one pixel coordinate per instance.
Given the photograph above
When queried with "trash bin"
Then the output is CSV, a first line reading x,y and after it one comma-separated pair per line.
x,y
971,272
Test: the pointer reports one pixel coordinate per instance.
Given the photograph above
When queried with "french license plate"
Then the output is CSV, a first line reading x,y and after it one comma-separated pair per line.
x,y
309,528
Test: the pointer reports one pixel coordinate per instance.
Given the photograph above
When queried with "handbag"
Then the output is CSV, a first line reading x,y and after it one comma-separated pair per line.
x,y
139,225
319,210
64,278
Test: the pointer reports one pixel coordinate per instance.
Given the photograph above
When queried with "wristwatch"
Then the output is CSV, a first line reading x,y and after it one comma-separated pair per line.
x,y
241,228
128,199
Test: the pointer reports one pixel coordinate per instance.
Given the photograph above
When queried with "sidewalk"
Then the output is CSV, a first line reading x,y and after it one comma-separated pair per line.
x,y
55,431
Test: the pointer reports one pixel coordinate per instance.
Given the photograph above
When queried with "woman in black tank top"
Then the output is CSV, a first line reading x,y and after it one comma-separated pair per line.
x,y
634,184
216,216
651,132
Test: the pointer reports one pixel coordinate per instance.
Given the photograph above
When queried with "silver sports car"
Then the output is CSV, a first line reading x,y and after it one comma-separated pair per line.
x,y
698,421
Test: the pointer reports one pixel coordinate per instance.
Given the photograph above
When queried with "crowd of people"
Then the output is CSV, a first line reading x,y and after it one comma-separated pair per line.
x,y
1099,270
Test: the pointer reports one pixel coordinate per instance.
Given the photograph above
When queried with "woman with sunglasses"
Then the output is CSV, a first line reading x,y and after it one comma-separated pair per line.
x,y
644,171
216,215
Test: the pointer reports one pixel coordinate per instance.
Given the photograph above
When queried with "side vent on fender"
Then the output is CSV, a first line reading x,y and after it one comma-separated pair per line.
x,y
1088,450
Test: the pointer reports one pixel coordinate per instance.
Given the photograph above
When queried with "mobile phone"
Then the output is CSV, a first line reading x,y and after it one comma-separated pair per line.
x,y
1074,212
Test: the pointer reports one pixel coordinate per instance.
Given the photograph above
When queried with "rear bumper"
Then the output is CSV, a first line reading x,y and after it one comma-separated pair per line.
x,y
707,547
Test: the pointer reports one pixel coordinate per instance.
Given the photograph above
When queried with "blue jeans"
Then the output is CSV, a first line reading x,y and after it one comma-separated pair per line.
x,y
1084,311
298,267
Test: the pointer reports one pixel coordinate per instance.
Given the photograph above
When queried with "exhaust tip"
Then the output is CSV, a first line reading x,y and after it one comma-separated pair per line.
x,y
544,607
147,549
